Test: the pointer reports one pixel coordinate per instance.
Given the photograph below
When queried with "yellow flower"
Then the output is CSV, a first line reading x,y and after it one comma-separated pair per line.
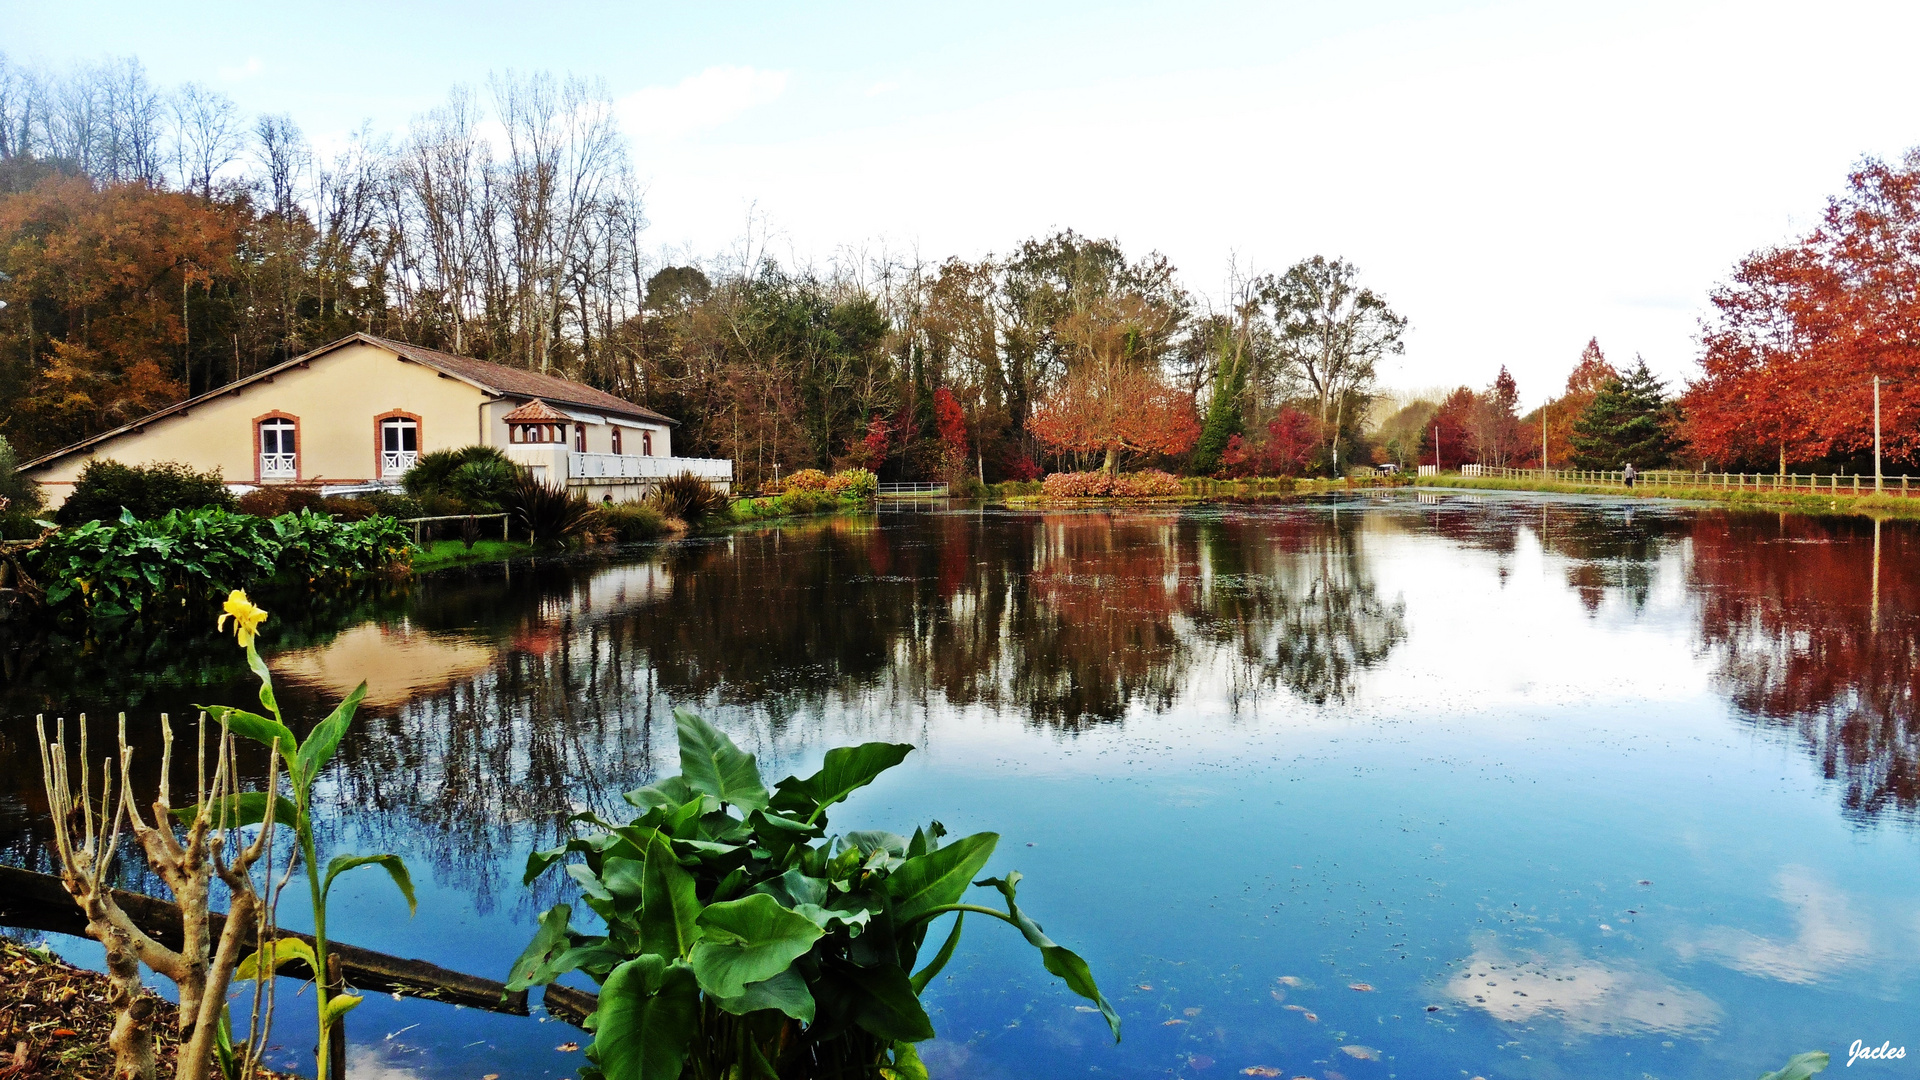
x,y
246,617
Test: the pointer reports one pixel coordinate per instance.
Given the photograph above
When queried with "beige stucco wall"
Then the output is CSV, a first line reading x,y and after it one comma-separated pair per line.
x,y
335,399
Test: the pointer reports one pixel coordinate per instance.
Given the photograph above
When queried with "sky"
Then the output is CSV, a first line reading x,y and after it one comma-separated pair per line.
x,y
1513,178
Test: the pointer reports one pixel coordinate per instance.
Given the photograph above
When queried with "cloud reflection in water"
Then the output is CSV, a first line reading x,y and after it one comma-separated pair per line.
x,y
1588,996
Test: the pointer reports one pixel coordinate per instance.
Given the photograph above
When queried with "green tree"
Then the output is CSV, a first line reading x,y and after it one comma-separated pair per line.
x,y
1631,421
1224,417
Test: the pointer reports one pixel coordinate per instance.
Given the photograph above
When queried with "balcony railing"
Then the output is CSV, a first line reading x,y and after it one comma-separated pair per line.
x,y
396,462
589,467
278,467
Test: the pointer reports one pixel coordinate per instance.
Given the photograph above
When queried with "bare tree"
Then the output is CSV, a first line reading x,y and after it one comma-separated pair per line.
x,y
207,135
283,154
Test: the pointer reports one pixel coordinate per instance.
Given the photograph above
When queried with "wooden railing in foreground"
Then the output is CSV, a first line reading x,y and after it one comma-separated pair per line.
x,y
39,902
1807,483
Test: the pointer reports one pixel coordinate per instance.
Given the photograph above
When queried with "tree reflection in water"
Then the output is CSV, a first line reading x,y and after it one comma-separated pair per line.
x,y
532,693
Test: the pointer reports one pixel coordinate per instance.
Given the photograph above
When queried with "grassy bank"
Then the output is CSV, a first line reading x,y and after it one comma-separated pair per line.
x,y
795,504
1749,499
1197,489
440,554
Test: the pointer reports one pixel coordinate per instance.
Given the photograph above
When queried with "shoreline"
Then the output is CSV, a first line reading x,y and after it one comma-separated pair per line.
x,y
1800,502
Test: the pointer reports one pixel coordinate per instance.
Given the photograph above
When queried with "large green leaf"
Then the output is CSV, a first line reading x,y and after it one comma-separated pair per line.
x,y
261,729
786,992
392,864
669,909
846,770
278,953
886,1004
1058,959
647,1014
534,966
712,765
925,975
747,941
1801,1066
941,876
245,808
325,738
670,794
906,1064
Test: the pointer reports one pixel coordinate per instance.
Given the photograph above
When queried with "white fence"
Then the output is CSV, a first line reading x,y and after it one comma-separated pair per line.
x,y
911,491
1811,483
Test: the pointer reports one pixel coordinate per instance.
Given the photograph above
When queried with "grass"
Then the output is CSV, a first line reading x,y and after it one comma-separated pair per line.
x,y
439,554
1801,502
794,504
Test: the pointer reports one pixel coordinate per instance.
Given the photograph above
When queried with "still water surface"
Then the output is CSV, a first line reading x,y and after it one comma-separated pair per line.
x,y
1577,788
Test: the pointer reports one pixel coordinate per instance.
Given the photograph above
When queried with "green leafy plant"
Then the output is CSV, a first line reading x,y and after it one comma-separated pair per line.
x,y
1800,1067
741,941
128,566
106,487
482,473
304,760
631,521
688,498
550,516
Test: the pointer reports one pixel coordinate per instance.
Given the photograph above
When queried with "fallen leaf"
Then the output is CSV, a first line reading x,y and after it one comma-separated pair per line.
x,y
1278,995
1085,1008
1643,881
1366,988
1191,1012
1171,1023
61,1033
491,1076
1294,981
1297,1008
1433,1008
1260,1070
1312,1018
1146,986
1200,1061
567,1047
1364,1053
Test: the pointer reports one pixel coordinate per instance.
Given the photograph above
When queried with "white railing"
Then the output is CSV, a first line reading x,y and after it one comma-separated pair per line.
x,y
911,491
589,467
396,462
278,467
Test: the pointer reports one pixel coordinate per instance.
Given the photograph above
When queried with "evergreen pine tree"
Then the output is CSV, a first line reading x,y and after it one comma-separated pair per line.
x,y
1630,422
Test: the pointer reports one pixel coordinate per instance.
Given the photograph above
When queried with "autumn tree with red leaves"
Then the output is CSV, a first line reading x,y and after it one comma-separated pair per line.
x,y
1451,431
1112,411
1799,332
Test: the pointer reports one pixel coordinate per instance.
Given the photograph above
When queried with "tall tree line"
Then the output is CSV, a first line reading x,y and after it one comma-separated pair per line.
x,y
157,243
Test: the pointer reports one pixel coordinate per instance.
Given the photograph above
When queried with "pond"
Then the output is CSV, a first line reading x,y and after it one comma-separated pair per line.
x,y
1402,784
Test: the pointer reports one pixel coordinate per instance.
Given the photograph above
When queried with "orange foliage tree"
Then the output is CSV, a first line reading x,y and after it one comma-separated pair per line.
x,y
1800,331
99,281
1112,410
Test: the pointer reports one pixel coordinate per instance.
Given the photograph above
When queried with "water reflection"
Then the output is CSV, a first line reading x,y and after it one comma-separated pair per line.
x,y
1553,980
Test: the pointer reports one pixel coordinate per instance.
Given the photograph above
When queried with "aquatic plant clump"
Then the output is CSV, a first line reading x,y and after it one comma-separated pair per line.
x,y
740,940
128,566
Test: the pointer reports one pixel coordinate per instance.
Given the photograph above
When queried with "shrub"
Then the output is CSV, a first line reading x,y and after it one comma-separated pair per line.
x,y
391,503
688,498
633,521
857,484
1084,485
967,487
550,516
734,937
435,474
19,494
106,487
125,566
809,480
274,500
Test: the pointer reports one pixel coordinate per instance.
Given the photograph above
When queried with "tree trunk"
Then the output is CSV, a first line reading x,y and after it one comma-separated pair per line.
x,y
1113,460
132,1035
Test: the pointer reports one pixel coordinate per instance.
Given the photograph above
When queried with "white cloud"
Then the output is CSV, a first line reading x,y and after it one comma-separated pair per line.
x,y
1829,936
698,102
882,88
239,72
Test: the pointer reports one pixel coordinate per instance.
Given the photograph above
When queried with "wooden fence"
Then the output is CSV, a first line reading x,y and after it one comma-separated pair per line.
x,y
505,520
1803,483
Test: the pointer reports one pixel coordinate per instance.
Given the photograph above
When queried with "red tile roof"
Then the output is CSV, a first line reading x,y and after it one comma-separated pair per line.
x,y
537,412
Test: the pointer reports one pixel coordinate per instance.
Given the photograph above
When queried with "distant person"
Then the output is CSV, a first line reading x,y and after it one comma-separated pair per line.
x,y
1629,475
